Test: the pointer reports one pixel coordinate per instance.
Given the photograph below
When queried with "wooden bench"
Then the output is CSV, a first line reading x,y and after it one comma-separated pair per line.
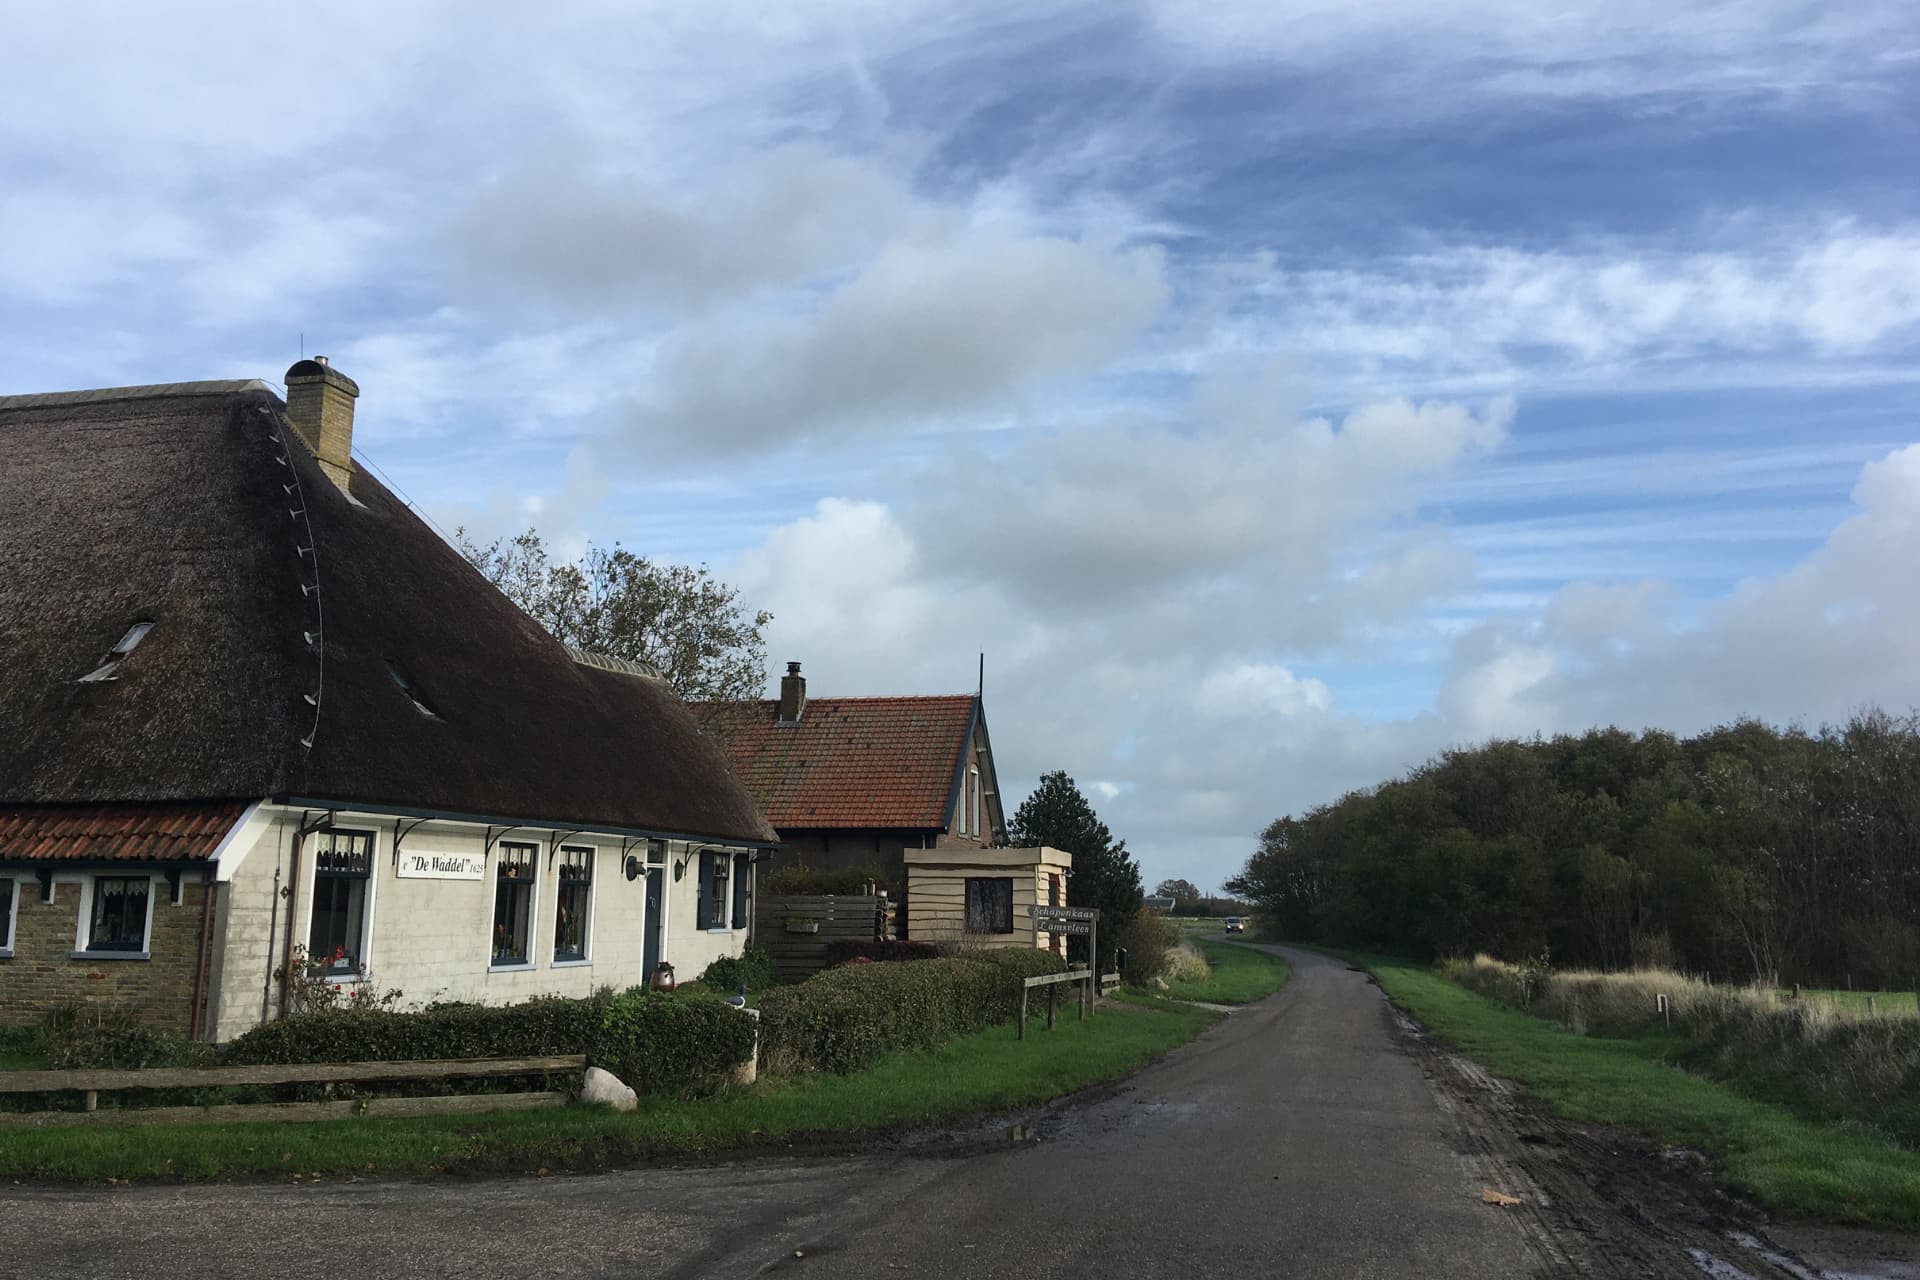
x,y
90,1084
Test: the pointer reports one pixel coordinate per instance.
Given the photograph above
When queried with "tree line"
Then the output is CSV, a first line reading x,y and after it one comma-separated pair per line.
x,y
1748,851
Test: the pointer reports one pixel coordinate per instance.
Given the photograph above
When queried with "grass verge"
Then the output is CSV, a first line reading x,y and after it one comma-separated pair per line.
x,y
1241,975
1837,1173
970,1076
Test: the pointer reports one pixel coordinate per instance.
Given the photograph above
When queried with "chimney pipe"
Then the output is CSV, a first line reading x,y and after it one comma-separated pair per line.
x,y
793,694
320,404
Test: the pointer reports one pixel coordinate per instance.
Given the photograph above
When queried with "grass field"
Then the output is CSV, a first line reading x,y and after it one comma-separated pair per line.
x,y
1832,1172
1883,1001
1240,975
971,1076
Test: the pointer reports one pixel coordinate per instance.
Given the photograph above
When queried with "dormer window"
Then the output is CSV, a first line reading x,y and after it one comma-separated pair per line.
x,y
110,665
412,690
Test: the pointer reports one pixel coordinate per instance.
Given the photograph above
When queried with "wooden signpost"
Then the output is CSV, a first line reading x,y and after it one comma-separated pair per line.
x,y
1077,922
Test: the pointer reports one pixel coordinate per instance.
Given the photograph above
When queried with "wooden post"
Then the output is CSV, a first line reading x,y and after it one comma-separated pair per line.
x,y
90,1100
1023,1013
1869,1006
1092,998
1053,1000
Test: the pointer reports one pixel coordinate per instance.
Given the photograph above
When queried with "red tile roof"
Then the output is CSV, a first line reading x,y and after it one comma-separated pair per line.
x,y
181,831
850,762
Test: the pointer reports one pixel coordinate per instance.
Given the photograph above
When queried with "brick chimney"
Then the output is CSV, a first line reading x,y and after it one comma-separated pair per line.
x,y
793,694
320,403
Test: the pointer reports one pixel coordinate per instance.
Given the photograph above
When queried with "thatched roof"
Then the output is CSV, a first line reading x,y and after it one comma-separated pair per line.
x,y
192,506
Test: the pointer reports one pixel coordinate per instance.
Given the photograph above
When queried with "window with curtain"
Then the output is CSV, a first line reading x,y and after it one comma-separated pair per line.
x,y
989,904
119,920
513,903
714,903
573,900
336,933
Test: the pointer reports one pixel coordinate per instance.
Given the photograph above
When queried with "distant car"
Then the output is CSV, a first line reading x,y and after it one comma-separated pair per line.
x,y
1236,925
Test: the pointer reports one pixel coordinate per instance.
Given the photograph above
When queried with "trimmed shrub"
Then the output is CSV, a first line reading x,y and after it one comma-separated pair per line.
x,y
844,1019
805,880
538,1027
92,1034
752,969
841,950
657,1043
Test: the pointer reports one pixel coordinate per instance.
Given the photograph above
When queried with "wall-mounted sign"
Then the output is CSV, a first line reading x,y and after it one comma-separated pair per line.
x,y
428,865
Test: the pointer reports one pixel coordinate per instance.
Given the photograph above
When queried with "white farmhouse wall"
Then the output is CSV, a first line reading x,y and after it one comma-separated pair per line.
x,y
431,939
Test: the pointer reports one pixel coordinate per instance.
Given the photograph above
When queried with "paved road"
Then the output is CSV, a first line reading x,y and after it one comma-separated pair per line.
x,y
1295,1139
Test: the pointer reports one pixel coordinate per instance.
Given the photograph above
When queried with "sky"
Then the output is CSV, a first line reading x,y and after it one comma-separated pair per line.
x,y
1276,393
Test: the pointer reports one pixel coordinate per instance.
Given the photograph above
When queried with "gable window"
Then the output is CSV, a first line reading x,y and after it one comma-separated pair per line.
x,y
742,879
9,904
513,904
989,904
110,665
572,905
337,934
118,921
973,802
711,913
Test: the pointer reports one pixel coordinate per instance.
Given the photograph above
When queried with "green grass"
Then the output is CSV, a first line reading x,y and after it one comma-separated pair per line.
x,y
1832,1172
971,1076
1240,975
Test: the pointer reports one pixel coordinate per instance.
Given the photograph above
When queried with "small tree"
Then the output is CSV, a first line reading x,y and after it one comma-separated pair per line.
x,y
1104,874
677,618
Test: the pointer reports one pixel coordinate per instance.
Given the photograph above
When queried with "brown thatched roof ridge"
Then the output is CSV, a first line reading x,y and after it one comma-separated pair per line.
x,y
172,504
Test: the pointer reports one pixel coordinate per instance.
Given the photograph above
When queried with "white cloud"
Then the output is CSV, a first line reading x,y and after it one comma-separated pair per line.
x,y
1423,58
1516,314
942,322
1833,631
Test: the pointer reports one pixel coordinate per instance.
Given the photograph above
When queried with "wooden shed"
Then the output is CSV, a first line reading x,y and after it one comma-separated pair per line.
x,y
983,896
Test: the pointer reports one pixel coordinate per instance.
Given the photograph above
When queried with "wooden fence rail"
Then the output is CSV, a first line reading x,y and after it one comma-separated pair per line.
x,y
90,1084
1052,981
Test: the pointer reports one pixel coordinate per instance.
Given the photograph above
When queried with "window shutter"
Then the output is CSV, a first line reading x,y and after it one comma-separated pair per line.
x,y
741,867
703,914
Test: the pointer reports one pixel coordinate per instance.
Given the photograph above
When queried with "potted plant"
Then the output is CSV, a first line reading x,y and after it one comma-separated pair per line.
x,y
662,979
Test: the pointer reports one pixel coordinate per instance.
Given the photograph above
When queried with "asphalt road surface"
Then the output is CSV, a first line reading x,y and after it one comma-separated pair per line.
x,y
1299,1138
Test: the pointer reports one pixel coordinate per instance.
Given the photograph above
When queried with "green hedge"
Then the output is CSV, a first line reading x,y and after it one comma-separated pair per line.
x,y
93,1034
752,969
843,1019
534,1028
664,1044
841,950
655,1043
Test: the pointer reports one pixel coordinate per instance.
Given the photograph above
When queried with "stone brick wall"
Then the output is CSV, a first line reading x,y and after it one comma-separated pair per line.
x,y
42,971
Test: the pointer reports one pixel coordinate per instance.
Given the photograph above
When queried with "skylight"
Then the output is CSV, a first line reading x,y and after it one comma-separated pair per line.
x,y
407,686
118,654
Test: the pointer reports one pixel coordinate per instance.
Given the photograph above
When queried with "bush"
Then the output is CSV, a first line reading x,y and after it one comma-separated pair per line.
x,y
538,1027
1186,963
844,1019
658,1043
805,880
1147,940
90,1034
841,950
752,969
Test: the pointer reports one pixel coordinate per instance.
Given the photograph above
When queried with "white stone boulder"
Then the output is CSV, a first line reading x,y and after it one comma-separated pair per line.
x,y
605,1087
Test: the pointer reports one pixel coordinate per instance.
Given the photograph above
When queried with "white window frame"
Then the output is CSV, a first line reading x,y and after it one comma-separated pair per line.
x,y
533,909
83,927
366,909
973,800
593,885
12,916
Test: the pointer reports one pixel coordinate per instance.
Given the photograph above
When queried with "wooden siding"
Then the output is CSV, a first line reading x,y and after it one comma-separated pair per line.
x,y
797,956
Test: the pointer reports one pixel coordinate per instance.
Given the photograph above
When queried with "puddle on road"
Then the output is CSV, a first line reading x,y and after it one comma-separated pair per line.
x,y
1720,1269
